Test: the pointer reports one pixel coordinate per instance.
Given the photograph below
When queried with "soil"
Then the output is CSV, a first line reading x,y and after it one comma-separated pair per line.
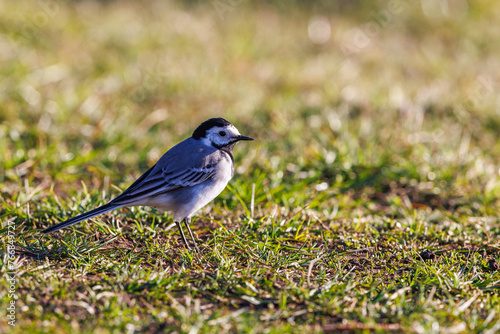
x,y
493,264
427,254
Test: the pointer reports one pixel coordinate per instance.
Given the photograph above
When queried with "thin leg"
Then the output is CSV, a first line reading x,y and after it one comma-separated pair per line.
x,y
187,221
182,235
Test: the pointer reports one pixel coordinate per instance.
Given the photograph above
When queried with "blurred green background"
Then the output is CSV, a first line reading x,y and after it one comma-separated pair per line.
x,y
390,95
379,117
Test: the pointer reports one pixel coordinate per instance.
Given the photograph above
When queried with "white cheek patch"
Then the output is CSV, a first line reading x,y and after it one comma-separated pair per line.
x,y
206,141
213,136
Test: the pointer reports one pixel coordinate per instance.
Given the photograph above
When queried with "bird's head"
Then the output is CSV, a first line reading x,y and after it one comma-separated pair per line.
x,y
219,133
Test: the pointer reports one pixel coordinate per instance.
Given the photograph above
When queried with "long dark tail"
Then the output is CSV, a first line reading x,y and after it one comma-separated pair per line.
x,y
84,216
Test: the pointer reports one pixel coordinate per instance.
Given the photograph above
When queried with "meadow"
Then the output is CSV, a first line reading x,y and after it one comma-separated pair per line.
x,y
368,202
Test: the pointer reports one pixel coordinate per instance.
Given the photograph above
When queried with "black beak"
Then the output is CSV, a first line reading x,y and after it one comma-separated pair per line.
x,y
243,138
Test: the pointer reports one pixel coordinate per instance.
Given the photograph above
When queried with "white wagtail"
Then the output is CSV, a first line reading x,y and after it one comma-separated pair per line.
x,y
185,179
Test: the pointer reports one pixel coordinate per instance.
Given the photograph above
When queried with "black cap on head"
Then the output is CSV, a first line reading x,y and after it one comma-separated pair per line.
x,y
201,131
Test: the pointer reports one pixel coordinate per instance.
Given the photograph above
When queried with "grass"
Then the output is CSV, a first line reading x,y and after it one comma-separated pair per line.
x,y
374,176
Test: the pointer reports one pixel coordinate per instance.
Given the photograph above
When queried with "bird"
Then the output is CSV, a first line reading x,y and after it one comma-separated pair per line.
x,y
186,178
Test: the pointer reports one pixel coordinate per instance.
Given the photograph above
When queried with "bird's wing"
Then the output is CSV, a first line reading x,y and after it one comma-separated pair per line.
x,y
175,170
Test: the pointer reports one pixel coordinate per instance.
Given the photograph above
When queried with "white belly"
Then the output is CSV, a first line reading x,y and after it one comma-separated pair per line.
x,y
184,203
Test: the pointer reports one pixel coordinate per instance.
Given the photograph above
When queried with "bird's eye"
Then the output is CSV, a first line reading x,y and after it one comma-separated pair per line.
x,y
222,133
